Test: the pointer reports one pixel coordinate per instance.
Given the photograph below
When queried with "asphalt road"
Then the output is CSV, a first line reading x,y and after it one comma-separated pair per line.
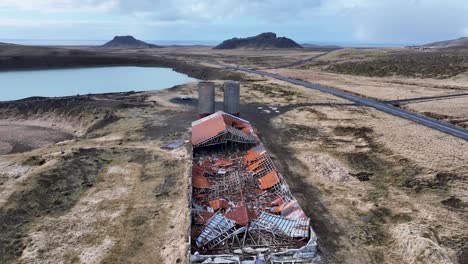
x,y
382,106
304,60
425,99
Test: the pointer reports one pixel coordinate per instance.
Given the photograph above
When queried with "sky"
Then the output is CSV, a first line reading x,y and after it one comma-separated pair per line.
x,y
312,21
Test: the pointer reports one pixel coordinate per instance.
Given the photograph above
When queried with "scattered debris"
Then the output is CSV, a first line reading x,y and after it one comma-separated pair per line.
x,y
242,208
174,145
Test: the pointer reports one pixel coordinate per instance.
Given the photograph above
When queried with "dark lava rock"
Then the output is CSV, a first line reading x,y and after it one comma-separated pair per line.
x,y
128,42
263,41
363,176
453,202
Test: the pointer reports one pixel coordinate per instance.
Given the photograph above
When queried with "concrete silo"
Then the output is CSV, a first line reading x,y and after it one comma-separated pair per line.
x,y
206,98
232,97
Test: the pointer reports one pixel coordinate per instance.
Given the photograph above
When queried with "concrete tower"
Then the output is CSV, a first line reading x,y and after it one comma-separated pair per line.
x,y
206,98
232,97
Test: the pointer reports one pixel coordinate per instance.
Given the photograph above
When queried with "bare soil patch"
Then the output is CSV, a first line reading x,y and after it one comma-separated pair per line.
x,y
17,139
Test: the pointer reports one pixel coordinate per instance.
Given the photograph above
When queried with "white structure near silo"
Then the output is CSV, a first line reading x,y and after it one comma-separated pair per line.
x,y
206,98
232,97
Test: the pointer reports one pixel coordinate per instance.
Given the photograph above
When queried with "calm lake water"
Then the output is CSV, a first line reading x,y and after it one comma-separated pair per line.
x,y
21,84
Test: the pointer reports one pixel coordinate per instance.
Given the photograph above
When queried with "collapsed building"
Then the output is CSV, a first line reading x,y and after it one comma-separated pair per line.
x,y
242,210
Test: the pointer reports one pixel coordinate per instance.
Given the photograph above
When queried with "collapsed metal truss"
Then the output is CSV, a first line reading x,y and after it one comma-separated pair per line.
x,y
243,201
229,135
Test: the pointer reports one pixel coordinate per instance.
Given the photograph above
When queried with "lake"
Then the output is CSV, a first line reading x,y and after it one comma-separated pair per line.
x,y
64,82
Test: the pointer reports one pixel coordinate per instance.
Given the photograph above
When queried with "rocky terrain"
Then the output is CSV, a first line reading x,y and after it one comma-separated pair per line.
x,y
127,42
263,41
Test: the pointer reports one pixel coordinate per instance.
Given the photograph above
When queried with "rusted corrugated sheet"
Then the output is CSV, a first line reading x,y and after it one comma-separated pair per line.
x,y
200,181
238,123
255,165
293,210
203,217
223,162
219,203
269,180
241,215
207,128
253,154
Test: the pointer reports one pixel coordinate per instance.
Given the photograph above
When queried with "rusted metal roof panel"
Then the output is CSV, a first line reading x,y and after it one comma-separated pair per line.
x,y
207,128
255,165
223,162
254,153
213,125
293,210
241,215
269,180
200,181
219,203
203,217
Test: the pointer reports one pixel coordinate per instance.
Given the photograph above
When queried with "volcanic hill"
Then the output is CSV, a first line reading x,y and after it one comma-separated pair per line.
x,y
263,41
128,42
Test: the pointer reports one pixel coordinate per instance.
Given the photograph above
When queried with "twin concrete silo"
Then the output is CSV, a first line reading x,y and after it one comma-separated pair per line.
x,y
232,97
206,98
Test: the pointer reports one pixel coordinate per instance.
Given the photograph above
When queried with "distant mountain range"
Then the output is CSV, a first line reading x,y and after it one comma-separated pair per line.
x,y
267,40
128,42
453,43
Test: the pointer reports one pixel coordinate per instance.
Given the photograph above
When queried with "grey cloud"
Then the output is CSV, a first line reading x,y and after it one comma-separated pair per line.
x,y
350,20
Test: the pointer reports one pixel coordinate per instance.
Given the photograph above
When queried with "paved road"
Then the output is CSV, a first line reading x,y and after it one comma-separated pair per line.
x,y
304,60
425,99
382,106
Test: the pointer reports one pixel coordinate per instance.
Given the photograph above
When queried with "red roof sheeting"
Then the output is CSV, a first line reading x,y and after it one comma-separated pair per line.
x,y
254,153
293,210
223,162
241,215
269,180
214,124
219,203
200,181
207,128
203,217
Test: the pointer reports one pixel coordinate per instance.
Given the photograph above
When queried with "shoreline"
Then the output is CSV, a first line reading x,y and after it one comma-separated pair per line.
x,y
50,58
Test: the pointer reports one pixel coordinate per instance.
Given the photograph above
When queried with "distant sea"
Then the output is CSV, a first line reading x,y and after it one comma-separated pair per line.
x,y
79,42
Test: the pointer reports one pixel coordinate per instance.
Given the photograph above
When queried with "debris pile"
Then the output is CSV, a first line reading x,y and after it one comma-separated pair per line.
x,y
242,208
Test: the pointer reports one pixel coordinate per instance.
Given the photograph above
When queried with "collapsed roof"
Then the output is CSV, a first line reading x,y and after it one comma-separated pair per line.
x,y
219,128
240,200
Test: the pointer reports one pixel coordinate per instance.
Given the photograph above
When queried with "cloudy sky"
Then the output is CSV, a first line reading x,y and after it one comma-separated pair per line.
x,y
319,21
